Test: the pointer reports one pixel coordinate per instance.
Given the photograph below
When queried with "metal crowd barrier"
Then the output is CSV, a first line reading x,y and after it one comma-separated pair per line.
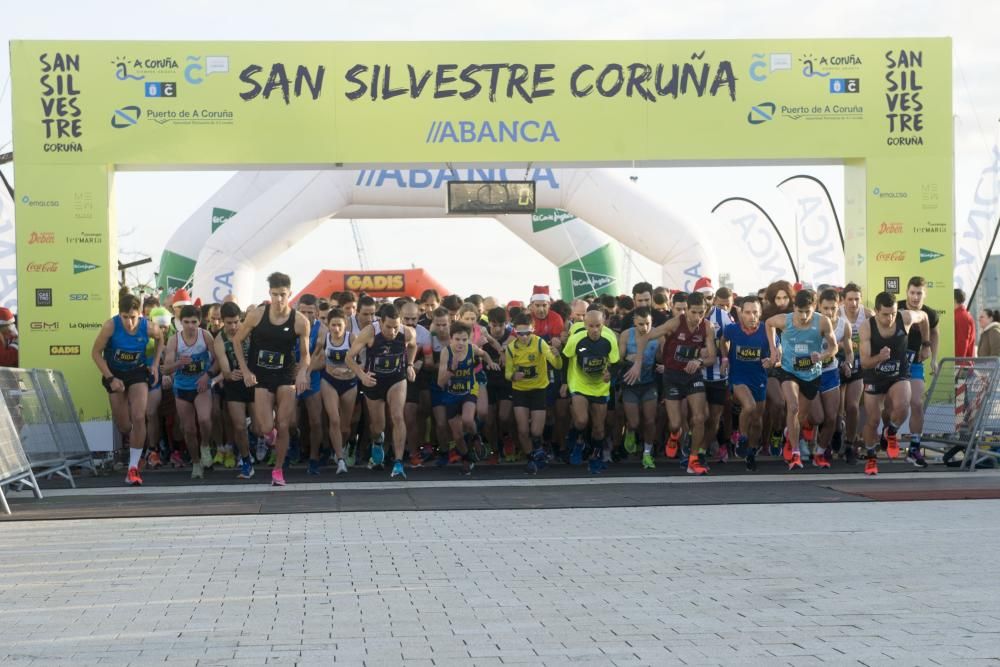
x,y
15,469
962,410
45,421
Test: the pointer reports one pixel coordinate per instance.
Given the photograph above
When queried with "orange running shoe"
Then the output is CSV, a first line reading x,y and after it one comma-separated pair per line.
x,y
796,461
808,432
892,446
508,447
871,466
787,451
153,460
454,456
672,445
695,466
416,460
132,478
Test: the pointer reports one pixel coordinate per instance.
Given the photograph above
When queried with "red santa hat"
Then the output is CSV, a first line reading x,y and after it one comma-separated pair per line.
x,y
704,285
6,317
540,293
197,302
181,298
515,304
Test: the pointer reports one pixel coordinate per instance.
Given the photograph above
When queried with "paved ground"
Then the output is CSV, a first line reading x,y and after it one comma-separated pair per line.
x,y
844,583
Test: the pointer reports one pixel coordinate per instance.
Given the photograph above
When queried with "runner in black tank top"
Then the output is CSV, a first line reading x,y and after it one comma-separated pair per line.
x,y
886,373
388,367
273,330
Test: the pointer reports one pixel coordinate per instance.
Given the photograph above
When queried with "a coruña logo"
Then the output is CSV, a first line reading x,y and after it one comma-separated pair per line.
x,y
894,256
890,228
43,267
64,350
375,282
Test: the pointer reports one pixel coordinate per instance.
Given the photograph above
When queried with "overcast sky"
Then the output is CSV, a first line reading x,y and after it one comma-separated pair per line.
x,y
399,244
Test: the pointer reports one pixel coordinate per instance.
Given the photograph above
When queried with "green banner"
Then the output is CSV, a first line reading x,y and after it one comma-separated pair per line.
x,y
175,270
592,274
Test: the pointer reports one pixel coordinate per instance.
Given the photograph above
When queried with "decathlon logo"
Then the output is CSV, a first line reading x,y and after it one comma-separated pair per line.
x,y
761,113
489,132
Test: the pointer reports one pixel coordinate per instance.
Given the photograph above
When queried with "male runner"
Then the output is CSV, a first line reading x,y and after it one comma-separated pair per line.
x,y
885,360
389,366
273,328
311,397
238,397
119,353
807,342
716,381
640,399
920,349
856,314
746,358
417,392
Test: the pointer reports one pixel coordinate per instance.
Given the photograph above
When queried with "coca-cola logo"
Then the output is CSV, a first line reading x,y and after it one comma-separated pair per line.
x,y
43,267
894,256
890,228
41,237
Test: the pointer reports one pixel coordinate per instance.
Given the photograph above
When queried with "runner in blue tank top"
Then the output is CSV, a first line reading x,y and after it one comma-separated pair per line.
x,y
745,353
641,399
119,353
191,360
801,357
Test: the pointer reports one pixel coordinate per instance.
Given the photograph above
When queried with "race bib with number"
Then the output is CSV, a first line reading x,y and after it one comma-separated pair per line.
x,y
748,353
271,361
529,372
890,367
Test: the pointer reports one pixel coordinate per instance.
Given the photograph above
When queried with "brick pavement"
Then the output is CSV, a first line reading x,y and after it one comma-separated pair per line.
x,y
858,583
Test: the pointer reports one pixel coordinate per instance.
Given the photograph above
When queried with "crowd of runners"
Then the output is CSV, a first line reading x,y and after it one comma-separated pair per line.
x,y
658,376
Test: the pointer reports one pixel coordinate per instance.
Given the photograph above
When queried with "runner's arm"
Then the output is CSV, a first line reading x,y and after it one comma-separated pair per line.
x,y
366,336
302,331
316,359
826,330
100,343
251,320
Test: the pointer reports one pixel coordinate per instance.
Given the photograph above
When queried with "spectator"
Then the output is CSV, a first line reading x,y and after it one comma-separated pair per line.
x,y
989,339
965,328
8,339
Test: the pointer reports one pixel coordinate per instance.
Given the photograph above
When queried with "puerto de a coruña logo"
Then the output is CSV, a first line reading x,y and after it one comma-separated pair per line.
x,y
761,113
125,117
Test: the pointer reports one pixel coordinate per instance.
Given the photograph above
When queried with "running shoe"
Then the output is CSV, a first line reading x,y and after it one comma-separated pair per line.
x,y
416,460
672,445
531,468
630,446
454,456
739,444
851,454
313,468
871,466
808,433
508,447
891,445
775,445
341,466
467,466
822,459
443,460
206,456
724,452
261,450
751,459
132,477
397,471
594,465
916,456
686,445
229,460
796,461
277,477
246,468
219,459
695,467
153,460
647,462
804,449
176,460
352,454
787,451
197,471
837,441
576,456
378,454
540,458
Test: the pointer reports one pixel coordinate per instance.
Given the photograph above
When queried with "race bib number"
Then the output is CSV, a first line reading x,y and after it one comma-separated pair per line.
x,y
194,368
336,356
803,363
126,357
593,365
686,353
529,372
890,367
386,365
748,353
270,361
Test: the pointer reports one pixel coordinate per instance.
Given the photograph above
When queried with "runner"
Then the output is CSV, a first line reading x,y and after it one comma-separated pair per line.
x,y
191,360
856,314
885,360
311,398
161,317
716,380
119,353
746,359
430,300
273,329
640,399
498,423
920,348
339,384
591,353
457,378
806,343
389,366
468,314
528,359
687,348
778,300
238,397
827,410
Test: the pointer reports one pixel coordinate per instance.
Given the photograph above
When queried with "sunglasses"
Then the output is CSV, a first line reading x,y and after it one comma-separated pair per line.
x,y
523,333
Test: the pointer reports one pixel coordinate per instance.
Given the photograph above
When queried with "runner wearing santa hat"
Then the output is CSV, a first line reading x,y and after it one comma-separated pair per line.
x,y
8,339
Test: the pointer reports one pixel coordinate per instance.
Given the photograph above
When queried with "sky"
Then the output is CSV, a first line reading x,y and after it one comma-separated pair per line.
x,y
689,192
